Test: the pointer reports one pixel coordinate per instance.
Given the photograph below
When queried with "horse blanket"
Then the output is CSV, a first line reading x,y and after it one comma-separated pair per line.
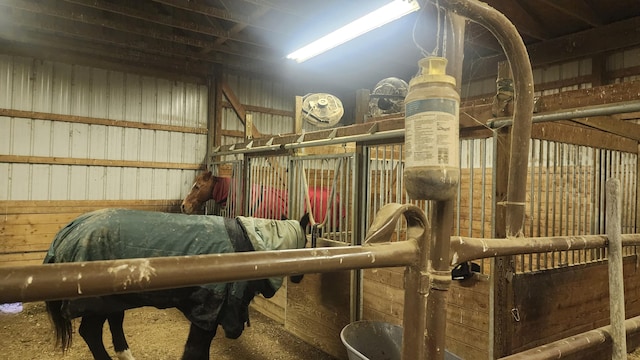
x,y
124,234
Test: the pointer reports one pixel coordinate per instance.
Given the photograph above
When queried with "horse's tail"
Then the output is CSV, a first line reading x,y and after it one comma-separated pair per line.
x,y
63,327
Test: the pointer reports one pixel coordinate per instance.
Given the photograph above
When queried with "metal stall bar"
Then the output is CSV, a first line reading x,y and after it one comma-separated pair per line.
x,y
98,278
576,344
467,249
587,111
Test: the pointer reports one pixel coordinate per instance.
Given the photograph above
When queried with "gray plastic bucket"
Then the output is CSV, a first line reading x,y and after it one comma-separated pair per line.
x,y
372,340
375,340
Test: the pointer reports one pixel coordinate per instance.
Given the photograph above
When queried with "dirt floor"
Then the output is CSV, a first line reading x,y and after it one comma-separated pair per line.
x,y
152,334
158,335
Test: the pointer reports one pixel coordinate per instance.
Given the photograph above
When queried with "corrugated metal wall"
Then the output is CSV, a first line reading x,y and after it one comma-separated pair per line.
x,y
148,163
263,93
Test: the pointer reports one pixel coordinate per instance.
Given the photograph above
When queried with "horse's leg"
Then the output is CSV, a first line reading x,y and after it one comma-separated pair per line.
x,y
117,335
198,344
91,331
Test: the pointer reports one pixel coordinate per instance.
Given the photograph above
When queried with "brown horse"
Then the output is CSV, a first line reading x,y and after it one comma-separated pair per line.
x,y
267,201
206,187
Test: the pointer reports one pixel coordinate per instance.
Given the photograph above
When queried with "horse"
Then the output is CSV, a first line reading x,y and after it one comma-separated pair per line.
x,y
111,234
267,201
206,187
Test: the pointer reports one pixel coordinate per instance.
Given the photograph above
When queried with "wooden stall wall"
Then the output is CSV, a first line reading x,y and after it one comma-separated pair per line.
x,y
76,138
558,303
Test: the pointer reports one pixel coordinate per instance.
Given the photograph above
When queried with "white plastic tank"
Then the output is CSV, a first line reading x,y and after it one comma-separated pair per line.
x,y
432,133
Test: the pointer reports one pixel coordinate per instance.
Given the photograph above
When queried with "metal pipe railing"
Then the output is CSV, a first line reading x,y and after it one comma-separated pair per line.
x,y
567,114
516,52
97,278
467,249
583,343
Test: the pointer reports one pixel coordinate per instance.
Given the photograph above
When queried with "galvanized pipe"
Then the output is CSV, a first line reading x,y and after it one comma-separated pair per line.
x,y
439,278
466,248
374,136
516,52
616,278
583,344
567,114
97,278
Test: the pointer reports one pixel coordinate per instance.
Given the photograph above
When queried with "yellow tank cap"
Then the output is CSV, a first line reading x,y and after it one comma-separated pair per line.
x,y
433,69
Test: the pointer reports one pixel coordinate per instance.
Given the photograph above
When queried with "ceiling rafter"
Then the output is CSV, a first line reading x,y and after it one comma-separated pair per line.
x,y
94,34
56,11
53,43
525,22
163,20
577,9
573,46
238,27
214,12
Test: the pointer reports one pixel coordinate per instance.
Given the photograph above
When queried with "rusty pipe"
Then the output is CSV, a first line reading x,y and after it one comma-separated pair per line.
x,y
97,278
466,248
516,53
584,343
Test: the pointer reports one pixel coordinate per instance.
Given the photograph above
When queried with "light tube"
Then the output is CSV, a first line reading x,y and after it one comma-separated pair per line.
x,y
384,15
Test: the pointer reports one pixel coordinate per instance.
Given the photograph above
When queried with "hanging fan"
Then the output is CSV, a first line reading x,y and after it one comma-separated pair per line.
x,y
321,110
388,97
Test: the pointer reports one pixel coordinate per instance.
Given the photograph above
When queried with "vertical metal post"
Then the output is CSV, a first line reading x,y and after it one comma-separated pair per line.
x,y
616,278
427,282
441,217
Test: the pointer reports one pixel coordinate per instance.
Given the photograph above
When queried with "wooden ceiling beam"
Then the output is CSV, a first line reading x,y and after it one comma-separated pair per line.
x,y
214,12
577,9
86,38
164,20
45,8
619,35
525,23
611,125
54,48
238,27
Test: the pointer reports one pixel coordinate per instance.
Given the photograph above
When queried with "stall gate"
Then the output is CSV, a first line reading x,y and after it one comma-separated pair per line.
x,y
278,186
565,191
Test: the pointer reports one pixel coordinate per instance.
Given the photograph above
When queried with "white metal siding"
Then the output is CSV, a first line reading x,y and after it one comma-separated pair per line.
x,y
49,87
263,93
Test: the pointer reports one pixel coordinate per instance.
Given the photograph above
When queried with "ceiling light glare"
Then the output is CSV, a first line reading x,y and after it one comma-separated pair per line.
x,y
384,15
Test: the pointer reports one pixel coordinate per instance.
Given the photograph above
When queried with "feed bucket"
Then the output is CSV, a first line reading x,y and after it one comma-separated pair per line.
x,y
375,340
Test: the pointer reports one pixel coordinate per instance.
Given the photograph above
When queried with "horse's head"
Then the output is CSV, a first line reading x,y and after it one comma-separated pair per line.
x,y
205,188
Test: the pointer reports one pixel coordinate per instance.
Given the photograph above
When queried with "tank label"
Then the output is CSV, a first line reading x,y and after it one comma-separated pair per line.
x,y
442,105
432,133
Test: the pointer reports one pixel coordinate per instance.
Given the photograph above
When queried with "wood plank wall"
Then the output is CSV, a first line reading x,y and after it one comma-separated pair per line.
x,y
28,227
559,303
467,309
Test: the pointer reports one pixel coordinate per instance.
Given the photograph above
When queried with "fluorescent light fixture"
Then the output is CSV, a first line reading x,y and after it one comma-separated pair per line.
x,y
384,15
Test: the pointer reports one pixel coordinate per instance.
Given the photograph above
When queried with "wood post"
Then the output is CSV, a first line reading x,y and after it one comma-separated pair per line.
x,y
616,279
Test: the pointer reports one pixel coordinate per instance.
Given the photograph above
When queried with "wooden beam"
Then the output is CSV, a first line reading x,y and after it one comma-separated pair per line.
x,y
526,24
611,125
94,55
263,110
99,121
580,135
129,27
577,9
619,35
237,106
477,112
47,160
214,12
